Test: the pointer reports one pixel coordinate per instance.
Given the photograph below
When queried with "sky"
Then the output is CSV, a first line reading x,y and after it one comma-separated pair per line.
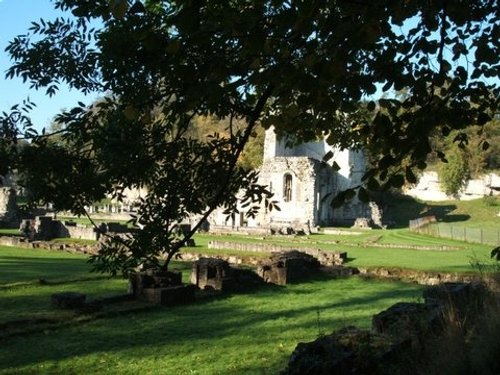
x,y
15,19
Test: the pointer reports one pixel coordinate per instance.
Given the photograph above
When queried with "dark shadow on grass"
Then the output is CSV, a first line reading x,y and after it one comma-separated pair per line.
x,y
16,269
236,319
401,209
454,218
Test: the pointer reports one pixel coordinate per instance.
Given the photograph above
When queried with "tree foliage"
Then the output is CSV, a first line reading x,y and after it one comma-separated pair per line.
x,y
302,66
482,144
454,174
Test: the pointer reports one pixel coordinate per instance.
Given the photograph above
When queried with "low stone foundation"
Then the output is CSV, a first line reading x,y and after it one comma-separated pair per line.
x,y
327,258
68,300
288,266
169,296
211,273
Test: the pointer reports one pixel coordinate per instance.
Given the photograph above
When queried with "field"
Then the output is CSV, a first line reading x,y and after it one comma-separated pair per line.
x,y
375,248
252,332
247,333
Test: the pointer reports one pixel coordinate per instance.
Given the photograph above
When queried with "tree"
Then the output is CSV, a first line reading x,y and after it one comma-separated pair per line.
x,y
301,66
454,174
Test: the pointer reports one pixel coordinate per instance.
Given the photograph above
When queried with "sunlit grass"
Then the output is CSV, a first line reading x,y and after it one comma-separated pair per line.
x,y
362,253
241,334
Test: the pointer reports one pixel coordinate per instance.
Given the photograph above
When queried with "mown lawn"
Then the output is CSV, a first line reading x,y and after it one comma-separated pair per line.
x,y
9,232
477,213
362,252
248,333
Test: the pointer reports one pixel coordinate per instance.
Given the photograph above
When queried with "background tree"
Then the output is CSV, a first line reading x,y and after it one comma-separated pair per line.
x,y
302,66
454,174
482,145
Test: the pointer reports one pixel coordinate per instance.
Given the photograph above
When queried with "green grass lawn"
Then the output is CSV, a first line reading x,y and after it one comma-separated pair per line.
x,y
252,333
362,253
29,265
477,213
9,232
248,333
74,241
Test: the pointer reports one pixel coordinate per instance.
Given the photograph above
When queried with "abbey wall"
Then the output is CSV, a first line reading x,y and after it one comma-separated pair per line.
x,y
304,186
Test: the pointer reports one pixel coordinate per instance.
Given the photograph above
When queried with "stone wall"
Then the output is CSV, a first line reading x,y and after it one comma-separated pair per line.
x,y
8,207
301,206
327,258
72,248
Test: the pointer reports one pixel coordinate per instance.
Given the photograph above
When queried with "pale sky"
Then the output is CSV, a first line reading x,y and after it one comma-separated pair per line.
x,y
15,19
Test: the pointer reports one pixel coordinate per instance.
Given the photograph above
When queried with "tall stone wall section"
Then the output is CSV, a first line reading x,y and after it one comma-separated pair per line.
x,y
8,207
301,208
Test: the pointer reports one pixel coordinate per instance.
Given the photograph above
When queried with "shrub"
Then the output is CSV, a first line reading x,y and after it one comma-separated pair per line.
x,y
490,201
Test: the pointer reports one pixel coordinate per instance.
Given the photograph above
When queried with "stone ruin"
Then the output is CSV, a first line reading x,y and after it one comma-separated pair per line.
x,y
376,215
68,300
45,228
326,258
161,287
374,221
363,223
211,273
8,208
283,268
399,335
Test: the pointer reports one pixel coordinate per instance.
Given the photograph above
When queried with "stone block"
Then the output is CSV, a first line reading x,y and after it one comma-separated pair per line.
x,y
466,300
68,300
286,267
409,321
170,296
211,273
348,351
152,279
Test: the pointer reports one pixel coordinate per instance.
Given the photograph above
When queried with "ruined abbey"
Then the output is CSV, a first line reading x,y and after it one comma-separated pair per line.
x,y
304,186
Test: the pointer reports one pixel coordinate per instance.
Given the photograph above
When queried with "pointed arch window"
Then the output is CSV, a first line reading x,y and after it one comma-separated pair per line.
x,y
287,187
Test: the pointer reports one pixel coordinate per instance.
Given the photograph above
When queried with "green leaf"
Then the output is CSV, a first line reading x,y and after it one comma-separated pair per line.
x,y
397,181
118,8
410,176
373,184
421,165
363,195
483,118
338,200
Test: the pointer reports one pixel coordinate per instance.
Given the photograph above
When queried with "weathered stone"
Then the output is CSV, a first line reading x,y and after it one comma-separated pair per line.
x,y
326,258
466,300
8,207
211,273
363,223
413,321
68,300
286,267
170,296
340,271
152,278
348,351
303,186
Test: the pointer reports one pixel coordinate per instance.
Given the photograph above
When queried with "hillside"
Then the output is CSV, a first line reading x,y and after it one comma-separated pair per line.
x,y
474,213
